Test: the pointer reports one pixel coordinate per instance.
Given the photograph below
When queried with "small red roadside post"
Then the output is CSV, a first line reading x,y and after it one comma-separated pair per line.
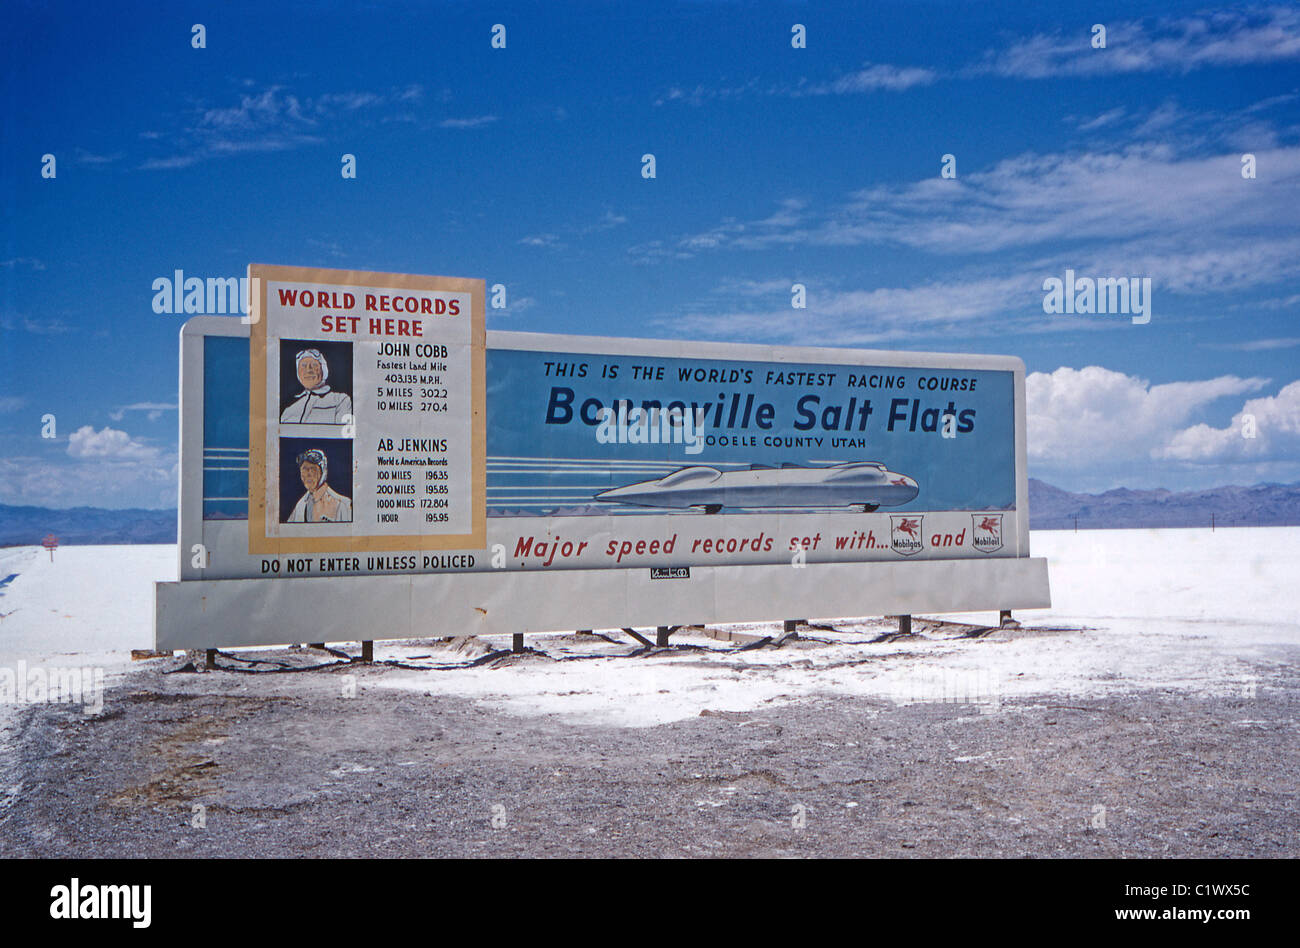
x,y
51,543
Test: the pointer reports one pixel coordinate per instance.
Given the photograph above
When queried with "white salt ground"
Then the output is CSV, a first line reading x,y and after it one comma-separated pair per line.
x,y
1193,610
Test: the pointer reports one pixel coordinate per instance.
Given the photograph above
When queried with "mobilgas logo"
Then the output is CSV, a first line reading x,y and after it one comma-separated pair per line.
x,y
986,532
905,534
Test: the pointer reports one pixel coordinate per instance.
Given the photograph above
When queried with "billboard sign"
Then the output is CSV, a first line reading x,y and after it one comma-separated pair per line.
x,y
582,460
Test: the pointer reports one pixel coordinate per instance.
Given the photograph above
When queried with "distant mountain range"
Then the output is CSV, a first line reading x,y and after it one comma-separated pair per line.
x,y
27,526
1050,508
1264,505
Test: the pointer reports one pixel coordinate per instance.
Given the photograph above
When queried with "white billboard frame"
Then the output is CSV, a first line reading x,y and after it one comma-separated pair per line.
x,y
197,613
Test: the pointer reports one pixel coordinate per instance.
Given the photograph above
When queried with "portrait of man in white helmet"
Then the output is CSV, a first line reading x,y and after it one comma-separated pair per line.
x,y
321,503
316,403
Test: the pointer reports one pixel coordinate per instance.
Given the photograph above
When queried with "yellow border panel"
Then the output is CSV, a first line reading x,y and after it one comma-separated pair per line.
x,y
258,541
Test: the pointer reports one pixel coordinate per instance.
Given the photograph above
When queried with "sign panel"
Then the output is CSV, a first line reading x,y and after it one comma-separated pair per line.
x,y
584,432
367,412
605,453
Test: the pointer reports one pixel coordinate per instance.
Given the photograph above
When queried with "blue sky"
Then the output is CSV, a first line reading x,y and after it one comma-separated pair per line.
x,y
774,166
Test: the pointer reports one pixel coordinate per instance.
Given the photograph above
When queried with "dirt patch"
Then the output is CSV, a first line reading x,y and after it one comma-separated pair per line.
x,y
326,763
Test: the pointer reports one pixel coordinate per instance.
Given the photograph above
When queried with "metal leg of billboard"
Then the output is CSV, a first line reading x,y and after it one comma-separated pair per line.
x,y
248,612
638,636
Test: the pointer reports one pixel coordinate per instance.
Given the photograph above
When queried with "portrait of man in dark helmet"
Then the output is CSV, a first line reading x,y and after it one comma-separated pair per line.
x,y
321,503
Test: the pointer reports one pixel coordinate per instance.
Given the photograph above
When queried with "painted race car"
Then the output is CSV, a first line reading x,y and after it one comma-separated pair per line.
x,y
865,485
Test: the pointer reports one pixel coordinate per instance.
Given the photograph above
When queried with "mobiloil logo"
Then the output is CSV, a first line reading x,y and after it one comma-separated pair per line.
x,y
103,901
986,532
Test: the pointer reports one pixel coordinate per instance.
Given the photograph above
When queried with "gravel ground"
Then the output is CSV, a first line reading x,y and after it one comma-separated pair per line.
x,y
228,764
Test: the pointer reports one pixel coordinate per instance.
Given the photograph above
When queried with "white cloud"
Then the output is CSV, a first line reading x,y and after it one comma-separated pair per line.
x,y
1192,225
785,225
1276,427
41,327
517,306
871,78
1256,345
331,247
1033,199
347,101
1182,44
272,120
654,251
153,410
84,157
702,93
867,317
256,112
1096,416
104,468
174,161
108,444
735,287
1102,120
1236,263
608,221
541,240
476,122
1169,44
26,262
38,482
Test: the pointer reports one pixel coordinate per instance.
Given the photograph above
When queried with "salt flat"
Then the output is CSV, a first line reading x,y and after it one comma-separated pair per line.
x,y
1206,612
93,602
1161,692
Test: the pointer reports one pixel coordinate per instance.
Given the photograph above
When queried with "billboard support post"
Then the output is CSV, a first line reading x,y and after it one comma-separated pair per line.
x,y
638,636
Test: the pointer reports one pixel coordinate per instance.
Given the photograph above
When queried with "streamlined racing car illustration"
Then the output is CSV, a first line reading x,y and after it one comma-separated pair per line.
x,y
865,485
